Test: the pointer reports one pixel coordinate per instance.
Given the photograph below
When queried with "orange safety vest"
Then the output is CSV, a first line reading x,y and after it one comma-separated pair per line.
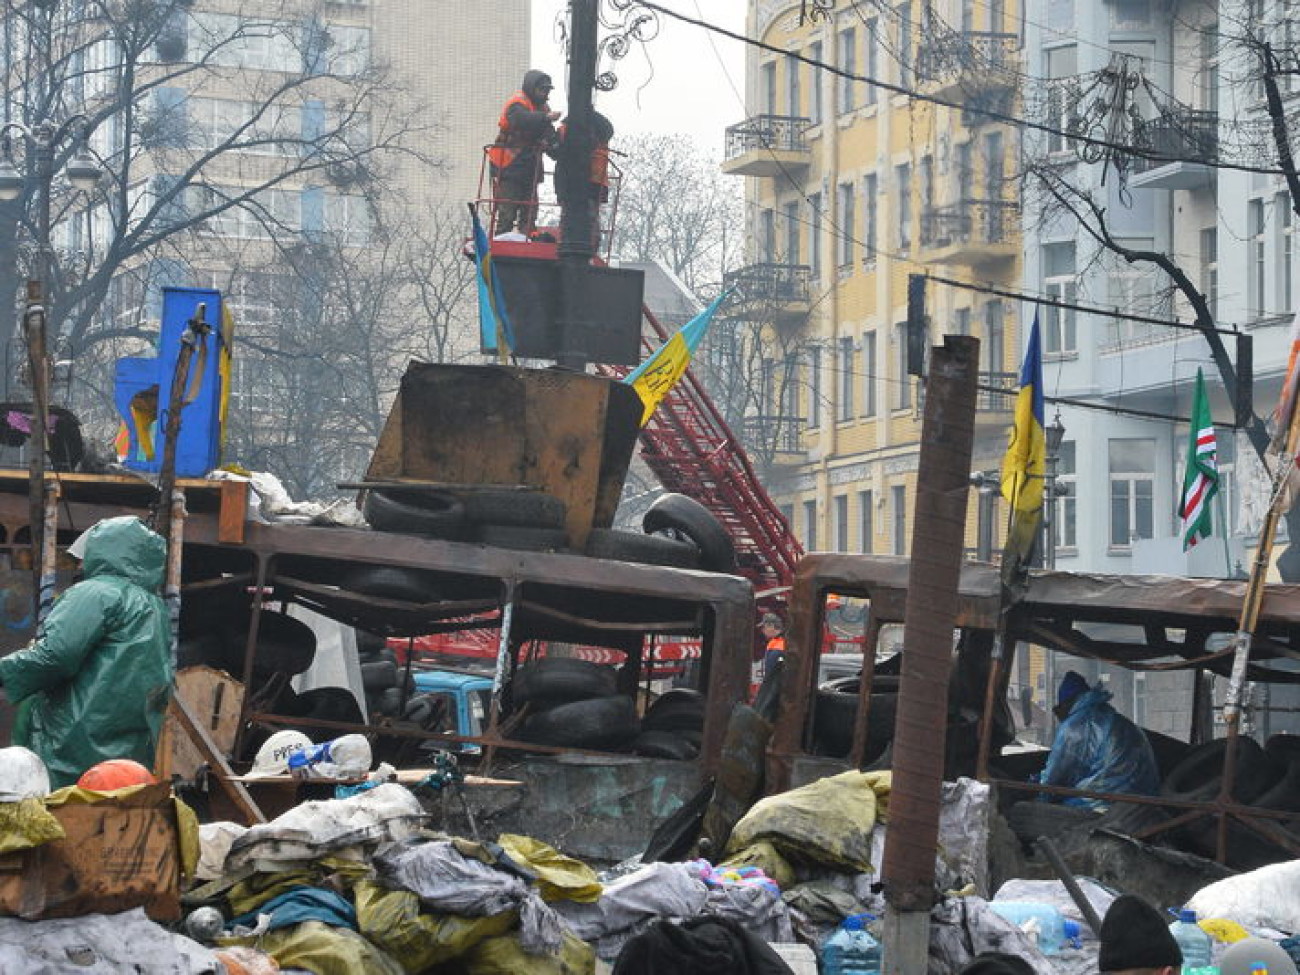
x,y
506,148
598,173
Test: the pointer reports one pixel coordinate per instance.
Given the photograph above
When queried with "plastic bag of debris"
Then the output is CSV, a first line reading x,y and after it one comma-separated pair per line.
x,y
963,927
827,822
558,877
396,922
1265,898
506,956
99,944
1054,894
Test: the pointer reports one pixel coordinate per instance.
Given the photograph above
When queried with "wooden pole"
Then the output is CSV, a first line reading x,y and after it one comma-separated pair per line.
x,y
47,567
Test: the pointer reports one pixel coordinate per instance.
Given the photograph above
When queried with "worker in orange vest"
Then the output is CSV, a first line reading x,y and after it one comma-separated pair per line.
x,y
774,630
525,130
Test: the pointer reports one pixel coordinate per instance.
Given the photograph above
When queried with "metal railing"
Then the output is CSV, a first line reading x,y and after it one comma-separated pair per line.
x,y
997,392
774,434
970,222
776,283
1186,135
781,133
970,54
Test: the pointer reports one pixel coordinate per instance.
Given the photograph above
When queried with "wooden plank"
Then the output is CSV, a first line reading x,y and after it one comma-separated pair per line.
x,y
221,769
215,699
233,513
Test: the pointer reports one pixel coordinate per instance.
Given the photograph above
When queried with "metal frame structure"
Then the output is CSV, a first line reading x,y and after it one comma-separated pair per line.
x,y
1056,611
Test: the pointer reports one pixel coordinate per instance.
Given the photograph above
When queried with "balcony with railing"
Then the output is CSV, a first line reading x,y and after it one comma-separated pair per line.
x,y
967,62
971,232
1185,143
769,292
775,438
767,145
995,401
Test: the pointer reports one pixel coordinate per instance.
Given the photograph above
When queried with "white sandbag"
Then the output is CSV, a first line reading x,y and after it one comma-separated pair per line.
x,y
215,840
100,944
1265,898
962,857
385,814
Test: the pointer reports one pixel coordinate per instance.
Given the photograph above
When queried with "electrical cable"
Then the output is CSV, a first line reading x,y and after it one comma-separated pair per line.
x,y
993,114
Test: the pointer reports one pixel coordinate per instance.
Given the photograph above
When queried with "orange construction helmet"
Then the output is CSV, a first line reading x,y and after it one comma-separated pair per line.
x,y
115,773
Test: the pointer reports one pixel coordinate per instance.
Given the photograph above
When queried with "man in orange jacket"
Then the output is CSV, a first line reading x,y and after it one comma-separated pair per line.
x,y
526,129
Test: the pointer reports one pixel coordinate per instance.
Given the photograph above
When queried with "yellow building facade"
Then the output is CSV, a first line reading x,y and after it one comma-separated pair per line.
x,y
852,188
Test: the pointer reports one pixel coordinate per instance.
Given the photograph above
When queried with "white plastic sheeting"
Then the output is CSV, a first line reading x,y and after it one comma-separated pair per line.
x,y
1265,898
100,944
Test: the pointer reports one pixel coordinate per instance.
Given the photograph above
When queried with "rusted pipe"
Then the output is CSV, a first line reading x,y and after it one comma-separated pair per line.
x,y
870,638
943,474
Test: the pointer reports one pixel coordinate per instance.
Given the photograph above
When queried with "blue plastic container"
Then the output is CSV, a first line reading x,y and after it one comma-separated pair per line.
x,y
1041,922
851,950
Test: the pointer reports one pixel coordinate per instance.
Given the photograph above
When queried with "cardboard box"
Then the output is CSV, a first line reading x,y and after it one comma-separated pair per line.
x,y
119,854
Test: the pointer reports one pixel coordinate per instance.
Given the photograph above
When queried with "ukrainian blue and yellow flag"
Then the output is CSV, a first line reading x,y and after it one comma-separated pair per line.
x,y
657,375
495,333
1025,463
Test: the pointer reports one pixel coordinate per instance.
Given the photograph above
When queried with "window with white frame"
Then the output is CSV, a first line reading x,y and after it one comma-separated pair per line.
x,y
841,523
1132,490
927,195
961,321
1060,283
994,344
241,42
847,378
1208,90
904,52
898,498
866,522
1067,499
767,234
767,76
816,109
903,182
347,51
1256,266
101,65
269,213
792,228
1131,289
872,41
793,96
847,219
1210,267
348,218
846,87
214,122
810,525
815,233
869,368
870,218
902,381
814,386
1062,65
252,297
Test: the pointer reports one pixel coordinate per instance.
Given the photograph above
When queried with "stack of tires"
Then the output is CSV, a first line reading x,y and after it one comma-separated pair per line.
x,y
1265,777
572,703
497,516
835,713
677,531
381,676
673,726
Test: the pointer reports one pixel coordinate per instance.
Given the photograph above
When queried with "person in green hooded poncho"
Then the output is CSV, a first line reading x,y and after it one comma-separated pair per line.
x,y
95,682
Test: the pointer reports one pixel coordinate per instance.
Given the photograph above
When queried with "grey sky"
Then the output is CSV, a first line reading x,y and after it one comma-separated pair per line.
x,y
687,80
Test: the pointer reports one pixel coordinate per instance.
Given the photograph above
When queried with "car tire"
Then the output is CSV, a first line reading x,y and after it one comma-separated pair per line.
x,y
664,744
435,515
559,680
683,515
670,713
379,675
391,582
1283,749
521,538
619,546
602,723
1199,776
833,720
524,509
285,645
1031,819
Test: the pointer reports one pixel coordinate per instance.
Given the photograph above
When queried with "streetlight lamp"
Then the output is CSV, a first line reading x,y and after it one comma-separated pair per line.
x,y
39,145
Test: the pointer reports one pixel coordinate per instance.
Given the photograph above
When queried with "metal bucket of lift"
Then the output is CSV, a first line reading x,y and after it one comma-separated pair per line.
x,y
566,433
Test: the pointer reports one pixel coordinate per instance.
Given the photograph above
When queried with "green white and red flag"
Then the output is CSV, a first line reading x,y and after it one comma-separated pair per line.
x,y
1201,481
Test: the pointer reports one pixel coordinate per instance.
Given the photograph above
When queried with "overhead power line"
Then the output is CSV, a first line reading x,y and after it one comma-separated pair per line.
x,y
973,109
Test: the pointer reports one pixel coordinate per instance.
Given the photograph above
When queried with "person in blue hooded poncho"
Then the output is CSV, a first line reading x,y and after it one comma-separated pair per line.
x,y
1097,748
95,682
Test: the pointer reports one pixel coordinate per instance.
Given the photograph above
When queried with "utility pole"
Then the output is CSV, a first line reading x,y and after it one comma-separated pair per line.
x,y
577,234
942,480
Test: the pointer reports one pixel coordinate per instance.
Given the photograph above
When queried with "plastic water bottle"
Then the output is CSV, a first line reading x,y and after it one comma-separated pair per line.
x,y
851,950
1043,923
1194,943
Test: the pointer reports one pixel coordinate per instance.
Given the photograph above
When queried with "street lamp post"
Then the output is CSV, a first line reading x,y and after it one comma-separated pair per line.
x,y
1054,435
40,143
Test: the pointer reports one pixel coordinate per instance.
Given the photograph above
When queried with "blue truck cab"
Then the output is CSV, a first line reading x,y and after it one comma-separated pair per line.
x,y
464,697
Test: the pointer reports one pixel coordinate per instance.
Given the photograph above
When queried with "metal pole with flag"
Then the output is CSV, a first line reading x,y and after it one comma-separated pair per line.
x,y
495,332
660,373
1025,464
1201,479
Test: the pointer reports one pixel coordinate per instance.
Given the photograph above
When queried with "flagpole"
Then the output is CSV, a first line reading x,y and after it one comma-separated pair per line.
x,y
1223,523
